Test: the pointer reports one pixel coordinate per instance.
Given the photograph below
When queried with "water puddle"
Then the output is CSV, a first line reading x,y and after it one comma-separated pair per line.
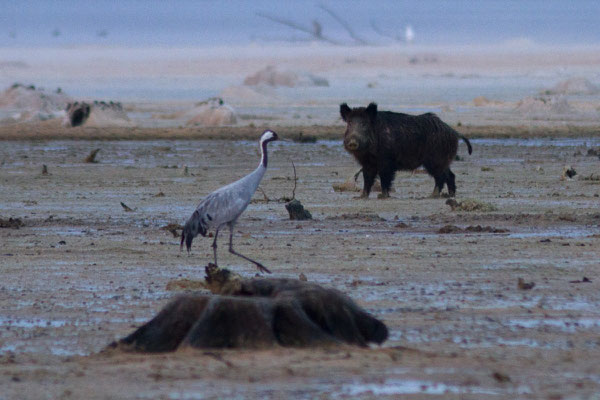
x,y
568,325
538,142
30,323
413,386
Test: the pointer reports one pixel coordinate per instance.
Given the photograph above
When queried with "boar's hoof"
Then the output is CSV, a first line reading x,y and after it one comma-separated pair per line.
x,y
363,196
383,196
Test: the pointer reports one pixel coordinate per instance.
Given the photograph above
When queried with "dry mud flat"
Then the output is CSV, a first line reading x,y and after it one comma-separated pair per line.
x,y
80,271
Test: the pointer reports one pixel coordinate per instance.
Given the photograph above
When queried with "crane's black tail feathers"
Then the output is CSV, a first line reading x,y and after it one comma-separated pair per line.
x,y
194,226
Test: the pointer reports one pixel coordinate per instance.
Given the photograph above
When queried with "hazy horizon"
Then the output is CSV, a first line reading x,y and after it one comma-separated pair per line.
x,y
134,23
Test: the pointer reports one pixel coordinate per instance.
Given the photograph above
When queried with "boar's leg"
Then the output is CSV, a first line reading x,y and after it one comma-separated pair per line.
x,y
369,174
439,185
450,182
439,175
386,175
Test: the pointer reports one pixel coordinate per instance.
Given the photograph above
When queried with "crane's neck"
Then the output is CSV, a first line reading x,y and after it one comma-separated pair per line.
x,y
264,156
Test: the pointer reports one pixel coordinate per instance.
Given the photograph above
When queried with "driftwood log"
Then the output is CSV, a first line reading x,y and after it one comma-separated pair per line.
x,y
256,313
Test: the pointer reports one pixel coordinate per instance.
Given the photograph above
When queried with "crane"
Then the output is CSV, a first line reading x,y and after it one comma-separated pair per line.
x,y
225,205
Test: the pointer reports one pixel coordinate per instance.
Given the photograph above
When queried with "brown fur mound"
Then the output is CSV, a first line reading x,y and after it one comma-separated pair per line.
x,y
256,313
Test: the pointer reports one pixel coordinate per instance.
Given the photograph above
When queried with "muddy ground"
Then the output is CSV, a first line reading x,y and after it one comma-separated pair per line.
x,y
81,271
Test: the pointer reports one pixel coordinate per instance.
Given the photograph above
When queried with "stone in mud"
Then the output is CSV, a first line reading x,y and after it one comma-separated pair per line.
x,y
568,172
297,211
14,223
256,313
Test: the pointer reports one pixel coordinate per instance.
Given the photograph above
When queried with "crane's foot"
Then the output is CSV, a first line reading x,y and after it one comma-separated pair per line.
x,y
262,268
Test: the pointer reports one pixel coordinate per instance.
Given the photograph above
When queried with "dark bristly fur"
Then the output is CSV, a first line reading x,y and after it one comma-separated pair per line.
x,y
384,142
262,313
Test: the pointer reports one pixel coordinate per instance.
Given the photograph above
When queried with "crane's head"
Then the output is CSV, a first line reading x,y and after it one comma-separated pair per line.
x,y
268,136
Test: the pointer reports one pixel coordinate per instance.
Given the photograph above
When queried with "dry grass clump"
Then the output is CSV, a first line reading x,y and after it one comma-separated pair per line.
x,y
470,205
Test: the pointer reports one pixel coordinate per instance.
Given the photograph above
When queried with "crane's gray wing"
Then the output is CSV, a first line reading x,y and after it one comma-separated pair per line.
x,y
218,208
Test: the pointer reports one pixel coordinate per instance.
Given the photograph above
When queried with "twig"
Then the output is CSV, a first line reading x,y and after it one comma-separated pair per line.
x,y
295,182
282,199
344,24
126,207
219,357
91,158
264,194
316,32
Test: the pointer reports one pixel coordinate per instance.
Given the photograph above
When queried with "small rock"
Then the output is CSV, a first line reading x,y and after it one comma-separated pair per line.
x,y
297,211
500,377
568,172
522,285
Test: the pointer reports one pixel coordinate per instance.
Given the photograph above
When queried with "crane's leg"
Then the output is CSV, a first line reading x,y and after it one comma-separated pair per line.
x,y
261,267
214,245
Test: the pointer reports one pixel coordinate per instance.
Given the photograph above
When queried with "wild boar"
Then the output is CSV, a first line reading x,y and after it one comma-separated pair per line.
x,y
384,142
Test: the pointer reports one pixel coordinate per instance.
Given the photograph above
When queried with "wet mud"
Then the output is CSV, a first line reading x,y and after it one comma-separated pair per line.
x,y
81,272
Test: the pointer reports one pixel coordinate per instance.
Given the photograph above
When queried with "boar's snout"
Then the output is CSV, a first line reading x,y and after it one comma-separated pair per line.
x,y
356,140
351,144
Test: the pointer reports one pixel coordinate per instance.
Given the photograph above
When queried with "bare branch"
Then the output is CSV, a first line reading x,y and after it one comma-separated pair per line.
x,y
380,32
295,182
316,32
344,24
264,194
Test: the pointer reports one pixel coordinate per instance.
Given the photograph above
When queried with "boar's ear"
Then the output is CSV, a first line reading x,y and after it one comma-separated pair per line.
x,y
372,110
344,110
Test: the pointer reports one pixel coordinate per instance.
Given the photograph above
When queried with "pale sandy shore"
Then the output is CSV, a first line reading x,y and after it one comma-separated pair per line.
x,y
467,85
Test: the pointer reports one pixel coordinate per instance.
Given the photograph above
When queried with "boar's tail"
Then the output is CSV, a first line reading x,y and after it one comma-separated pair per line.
x,y
467,142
